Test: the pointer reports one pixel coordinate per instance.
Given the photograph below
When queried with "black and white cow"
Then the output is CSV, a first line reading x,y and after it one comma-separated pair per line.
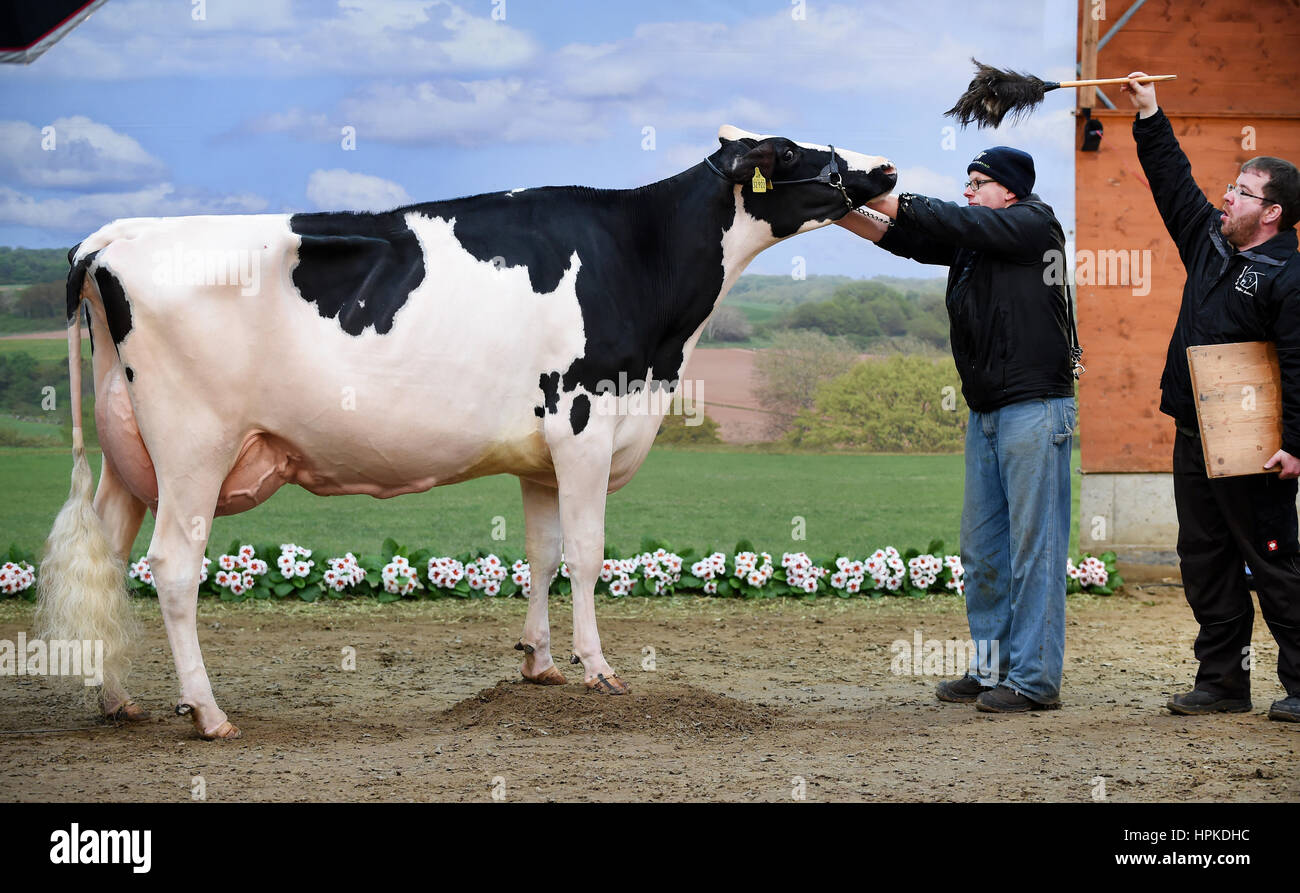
x,y
389,353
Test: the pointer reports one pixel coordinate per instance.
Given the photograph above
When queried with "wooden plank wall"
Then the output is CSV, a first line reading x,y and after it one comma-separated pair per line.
x,y
1238,66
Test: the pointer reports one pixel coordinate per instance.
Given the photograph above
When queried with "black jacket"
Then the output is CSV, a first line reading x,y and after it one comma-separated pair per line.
x,y
1006,308
1230,295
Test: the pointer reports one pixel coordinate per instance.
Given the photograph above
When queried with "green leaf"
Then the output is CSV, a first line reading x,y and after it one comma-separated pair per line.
x,y
389,548
936,548
743,546
282,589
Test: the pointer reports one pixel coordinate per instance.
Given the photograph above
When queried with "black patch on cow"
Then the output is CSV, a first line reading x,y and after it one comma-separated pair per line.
x,y
130,374
357,268
116,307
77,278
650,267
579,413
549,382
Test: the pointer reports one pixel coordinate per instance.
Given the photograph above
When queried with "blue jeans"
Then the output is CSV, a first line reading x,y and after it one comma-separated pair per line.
x,y
1015,538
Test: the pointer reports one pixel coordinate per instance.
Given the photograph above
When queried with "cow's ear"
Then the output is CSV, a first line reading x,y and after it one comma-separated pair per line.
x,y
739,164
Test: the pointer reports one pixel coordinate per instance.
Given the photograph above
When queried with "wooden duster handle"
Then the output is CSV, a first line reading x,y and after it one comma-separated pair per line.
x,y
1104,81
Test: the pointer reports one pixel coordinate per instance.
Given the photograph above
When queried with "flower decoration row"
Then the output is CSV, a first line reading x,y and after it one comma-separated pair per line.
x,y
245,571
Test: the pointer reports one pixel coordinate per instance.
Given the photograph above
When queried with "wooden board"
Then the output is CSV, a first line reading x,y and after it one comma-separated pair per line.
x,y
1238,391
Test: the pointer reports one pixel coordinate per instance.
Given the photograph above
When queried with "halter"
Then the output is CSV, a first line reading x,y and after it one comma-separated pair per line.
x,y
830,175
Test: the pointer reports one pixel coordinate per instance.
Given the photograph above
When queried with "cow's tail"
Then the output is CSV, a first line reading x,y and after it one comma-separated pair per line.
x,y
81,584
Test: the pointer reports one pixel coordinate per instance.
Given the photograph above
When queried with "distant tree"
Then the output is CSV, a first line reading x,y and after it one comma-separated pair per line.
x,y
727,324
44,300
903,404
788,373
23,266
675,431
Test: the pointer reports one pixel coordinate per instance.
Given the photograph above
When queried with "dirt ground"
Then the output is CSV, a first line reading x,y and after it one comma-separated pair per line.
x,y
726,377
745,702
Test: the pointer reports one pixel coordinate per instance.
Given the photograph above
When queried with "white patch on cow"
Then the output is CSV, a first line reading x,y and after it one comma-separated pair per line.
x,y
854,161
517,190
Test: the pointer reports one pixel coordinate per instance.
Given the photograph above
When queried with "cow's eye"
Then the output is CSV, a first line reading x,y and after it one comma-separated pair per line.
x,y
788,156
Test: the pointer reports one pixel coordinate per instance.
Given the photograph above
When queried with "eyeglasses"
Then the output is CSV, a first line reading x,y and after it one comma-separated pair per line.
x,y
1233,187
974,185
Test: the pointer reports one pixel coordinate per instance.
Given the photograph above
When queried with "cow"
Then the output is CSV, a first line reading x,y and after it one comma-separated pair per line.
x,y
387,353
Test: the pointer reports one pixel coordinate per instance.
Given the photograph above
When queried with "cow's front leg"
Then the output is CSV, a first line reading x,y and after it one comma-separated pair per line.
x,y
542,543
175,557
582,463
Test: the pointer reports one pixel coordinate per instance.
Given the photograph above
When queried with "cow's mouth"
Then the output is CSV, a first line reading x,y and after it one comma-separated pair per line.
x,y
880,182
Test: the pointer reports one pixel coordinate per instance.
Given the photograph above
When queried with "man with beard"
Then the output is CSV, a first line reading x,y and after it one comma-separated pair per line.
x,y
1243,284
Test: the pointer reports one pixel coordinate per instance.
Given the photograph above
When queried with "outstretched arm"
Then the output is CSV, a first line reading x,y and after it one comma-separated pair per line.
x,y
1179,200
900,240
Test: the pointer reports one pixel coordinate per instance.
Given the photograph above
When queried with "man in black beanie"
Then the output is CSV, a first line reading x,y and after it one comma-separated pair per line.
x,y
1243,284
1010,330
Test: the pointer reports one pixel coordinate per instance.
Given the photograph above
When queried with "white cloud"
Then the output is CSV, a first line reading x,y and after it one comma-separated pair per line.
x,y
342,190
467,113
1043,130
659,75
76,153
276,38
924,181
86,213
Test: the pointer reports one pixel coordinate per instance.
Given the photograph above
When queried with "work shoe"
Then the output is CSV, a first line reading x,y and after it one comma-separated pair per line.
x,y
1004,700
962,691
1199,702
1286,710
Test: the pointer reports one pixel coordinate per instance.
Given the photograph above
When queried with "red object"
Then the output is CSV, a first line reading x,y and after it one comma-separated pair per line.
x,y
1272,545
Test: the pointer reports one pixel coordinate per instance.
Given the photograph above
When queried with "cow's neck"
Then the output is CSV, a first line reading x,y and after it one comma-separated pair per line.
x,y
708,220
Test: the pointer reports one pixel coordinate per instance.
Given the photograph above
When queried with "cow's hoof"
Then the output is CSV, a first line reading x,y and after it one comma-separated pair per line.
x,y
127,711
227,731
550,676
607,685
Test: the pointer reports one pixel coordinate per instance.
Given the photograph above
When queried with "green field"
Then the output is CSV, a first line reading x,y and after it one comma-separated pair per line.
x,y
849,503
43,349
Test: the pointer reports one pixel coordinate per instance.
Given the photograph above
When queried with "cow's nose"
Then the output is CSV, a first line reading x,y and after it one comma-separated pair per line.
x,y
888,168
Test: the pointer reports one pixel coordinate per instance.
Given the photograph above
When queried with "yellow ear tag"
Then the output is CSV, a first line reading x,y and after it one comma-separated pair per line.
x,y
759,182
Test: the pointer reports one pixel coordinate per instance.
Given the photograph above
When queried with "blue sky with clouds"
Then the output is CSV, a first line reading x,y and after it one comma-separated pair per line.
x,y
243,110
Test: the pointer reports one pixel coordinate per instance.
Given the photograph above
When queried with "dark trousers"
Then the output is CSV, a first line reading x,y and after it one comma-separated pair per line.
x,y
1223,523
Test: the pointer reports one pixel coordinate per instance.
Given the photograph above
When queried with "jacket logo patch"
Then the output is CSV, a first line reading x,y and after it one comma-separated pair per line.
x,y
1248,282
1272,545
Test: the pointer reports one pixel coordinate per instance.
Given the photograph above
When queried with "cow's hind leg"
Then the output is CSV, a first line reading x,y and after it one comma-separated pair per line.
x,y
582,464
176,557
542,543
121,514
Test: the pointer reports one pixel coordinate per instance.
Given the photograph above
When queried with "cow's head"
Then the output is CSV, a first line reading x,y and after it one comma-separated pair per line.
x,y
792,206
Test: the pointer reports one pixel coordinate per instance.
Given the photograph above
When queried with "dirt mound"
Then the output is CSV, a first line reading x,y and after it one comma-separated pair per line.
x,y
535,710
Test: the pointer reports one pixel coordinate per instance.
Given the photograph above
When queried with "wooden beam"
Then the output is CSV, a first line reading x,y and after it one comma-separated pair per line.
x,y
1088,55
